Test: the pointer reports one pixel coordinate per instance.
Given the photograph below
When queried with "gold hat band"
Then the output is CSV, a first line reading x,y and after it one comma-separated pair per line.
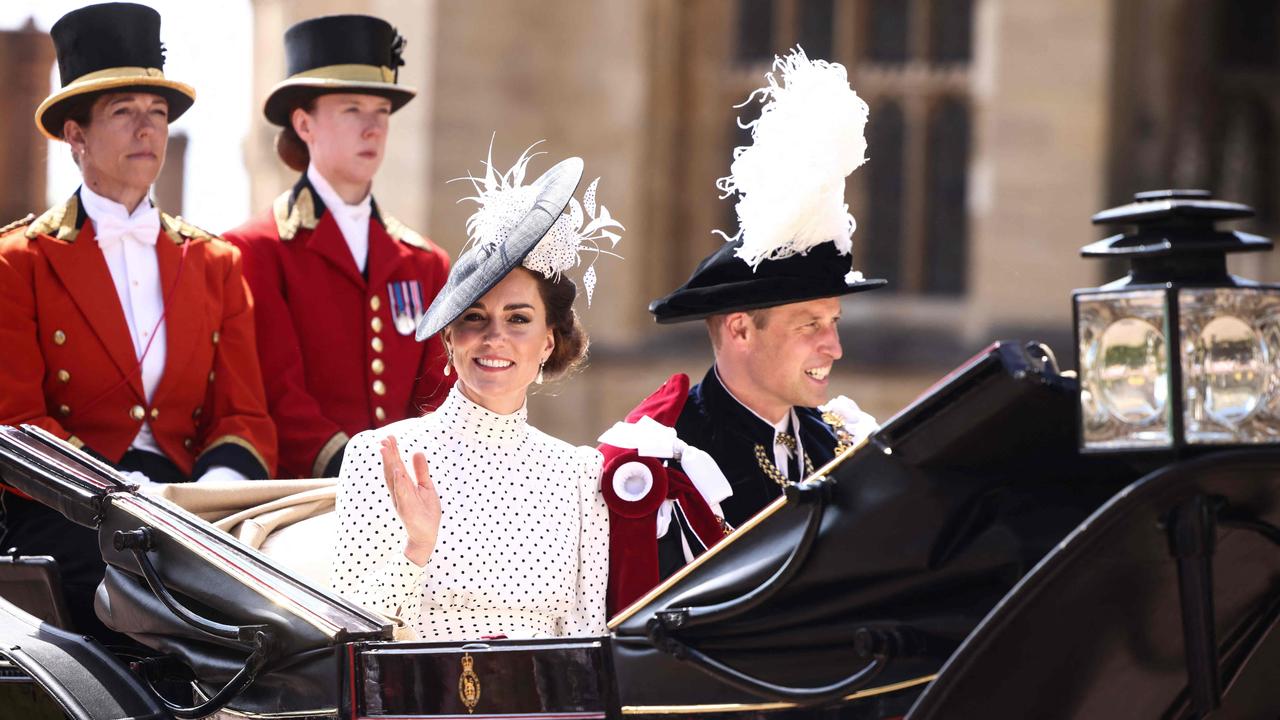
x,y
118,72
349,73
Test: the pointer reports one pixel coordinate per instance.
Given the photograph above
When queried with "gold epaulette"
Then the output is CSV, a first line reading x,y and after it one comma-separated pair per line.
x,y
290,217
58,221
404,234
18,223
179,230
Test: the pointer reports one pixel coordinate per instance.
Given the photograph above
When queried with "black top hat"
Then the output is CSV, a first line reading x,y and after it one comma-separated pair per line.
x,y
484,265
724,283
115,47
338,53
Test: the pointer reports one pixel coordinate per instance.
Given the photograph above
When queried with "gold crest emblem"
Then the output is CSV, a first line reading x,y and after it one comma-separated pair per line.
x,y
469,683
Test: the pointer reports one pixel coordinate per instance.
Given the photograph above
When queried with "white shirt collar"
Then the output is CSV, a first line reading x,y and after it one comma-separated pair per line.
x,y
98,207
333,201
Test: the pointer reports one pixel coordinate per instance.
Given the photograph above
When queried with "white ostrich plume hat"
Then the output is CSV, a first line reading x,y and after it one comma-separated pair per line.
x,y
790,180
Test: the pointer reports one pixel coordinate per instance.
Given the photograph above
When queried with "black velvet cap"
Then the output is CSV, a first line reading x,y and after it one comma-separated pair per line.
x,y
339,53
109,47
724,283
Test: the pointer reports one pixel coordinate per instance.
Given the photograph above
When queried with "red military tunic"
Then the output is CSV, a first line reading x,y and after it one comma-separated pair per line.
x,y
336,346
69,362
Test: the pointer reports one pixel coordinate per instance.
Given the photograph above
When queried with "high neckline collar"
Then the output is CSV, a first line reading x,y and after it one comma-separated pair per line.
x,y
101,208
332,200
781,426
477,422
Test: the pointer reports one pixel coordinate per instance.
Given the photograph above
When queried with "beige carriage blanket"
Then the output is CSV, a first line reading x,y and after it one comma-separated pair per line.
x,y
291,521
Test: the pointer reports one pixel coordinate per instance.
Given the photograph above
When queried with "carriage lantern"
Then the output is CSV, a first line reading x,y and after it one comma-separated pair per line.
x,y
1179,355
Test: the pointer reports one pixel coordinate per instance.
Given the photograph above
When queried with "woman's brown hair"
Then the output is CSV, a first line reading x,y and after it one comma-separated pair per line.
x,y
291,149
571,338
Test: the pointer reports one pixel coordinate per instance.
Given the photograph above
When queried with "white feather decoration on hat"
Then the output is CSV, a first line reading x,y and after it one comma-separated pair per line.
x,y
790,180
504,200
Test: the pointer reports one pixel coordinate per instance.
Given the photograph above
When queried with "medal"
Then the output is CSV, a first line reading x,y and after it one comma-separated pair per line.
x,y
406,305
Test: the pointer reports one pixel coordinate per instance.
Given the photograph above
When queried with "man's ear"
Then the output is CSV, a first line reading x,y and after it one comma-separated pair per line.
x,y
737,327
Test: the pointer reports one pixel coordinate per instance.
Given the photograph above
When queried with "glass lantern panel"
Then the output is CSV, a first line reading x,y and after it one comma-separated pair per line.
x,y
1230,348
1124,370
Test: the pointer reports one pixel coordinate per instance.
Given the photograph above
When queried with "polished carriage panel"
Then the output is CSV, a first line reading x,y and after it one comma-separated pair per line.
x,y
568,678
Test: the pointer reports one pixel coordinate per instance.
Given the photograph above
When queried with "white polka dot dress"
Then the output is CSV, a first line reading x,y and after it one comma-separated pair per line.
x,y
524,533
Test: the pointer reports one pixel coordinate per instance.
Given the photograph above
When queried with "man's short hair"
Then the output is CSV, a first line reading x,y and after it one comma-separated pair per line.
x,y
715,324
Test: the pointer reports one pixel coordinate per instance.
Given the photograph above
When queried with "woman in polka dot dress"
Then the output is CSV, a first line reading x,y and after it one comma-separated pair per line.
x,y
469,522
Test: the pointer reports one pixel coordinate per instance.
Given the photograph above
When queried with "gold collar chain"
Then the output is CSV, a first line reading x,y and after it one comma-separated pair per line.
x,y
771,470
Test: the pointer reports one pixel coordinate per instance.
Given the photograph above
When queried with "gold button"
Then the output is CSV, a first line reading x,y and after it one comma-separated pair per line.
x,y
375,302
195,414
137,413
212,375
376,343
64,376
376,324
155,413
377,366
188,443
216,337
380,414
63,410
59,337
379,387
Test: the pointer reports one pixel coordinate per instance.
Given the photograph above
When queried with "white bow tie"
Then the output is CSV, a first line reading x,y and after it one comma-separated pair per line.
x,y
142,228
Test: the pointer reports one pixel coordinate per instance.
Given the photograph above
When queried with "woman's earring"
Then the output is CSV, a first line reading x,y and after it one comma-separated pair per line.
x,y
538,379
448,363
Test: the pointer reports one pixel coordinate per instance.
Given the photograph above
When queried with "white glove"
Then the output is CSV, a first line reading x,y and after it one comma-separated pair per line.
x,y
221,473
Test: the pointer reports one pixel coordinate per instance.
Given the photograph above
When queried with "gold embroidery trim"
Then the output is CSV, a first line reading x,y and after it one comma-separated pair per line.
x,y
327,451
18,223
290,217
404,233
237,440
58,221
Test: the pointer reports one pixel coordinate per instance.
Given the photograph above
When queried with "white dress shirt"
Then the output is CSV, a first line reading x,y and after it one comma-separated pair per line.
x,y
353,220
128,243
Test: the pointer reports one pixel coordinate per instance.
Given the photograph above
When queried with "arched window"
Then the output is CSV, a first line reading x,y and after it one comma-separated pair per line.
x,y
880,236
946,223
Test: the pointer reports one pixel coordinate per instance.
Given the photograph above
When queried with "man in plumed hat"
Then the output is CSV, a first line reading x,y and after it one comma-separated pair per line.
x,y
771,301
339,284
126,331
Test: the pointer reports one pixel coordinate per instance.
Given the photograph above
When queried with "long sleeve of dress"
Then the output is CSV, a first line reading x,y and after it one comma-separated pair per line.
x,y
588,615
369,566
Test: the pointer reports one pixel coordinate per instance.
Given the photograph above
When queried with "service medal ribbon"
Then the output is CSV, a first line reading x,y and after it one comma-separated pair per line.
x,y
407,306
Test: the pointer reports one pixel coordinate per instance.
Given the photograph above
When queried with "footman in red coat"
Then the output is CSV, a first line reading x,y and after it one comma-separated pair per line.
x,y
339,284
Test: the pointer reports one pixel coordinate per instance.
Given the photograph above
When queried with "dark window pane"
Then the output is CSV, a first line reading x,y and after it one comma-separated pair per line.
x,y
816,18
881,230
1249,33
946,227
886,38
951,31
1246,153
755,30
